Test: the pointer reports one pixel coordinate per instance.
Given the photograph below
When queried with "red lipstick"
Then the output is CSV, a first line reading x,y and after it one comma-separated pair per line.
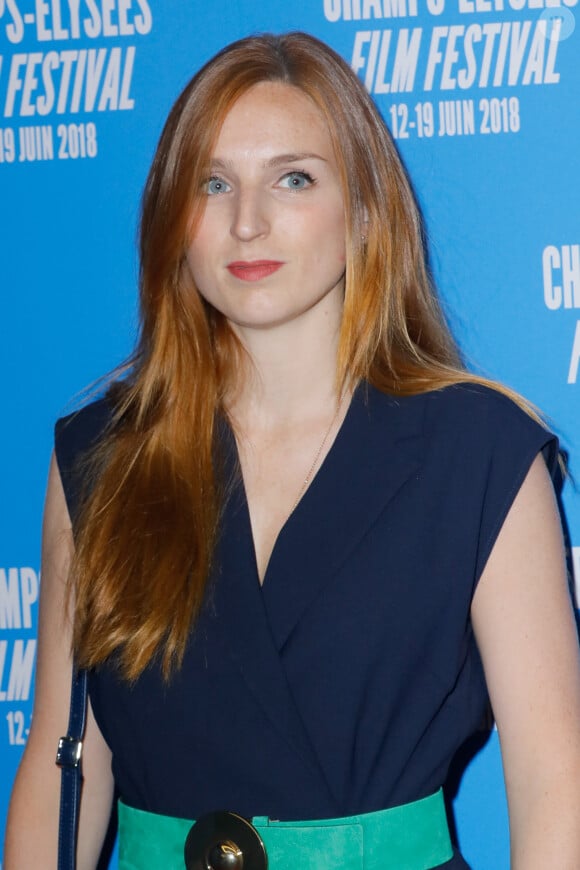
x,y
253,270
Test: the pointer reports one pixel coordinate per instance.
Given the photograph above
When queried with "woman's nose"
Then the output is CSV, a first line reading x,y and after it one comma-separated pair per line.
x,y
250,218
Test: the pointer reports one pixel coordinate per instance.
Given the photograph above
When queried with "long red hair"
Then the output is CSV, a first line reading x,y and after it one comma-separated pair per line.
x,y
146,533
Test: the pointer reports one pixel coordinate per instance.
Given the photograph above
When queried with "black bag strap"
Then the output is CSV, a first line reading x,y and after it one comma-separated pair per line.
x,y
68,758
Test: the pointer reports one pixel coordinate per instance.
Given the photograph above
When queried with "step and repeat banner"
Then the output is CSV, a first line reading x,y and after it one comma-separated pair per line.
x,y
483,99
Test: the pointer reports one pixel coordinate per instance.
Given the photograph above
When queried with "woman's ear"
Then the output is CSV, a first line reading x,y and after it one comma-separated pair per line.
x,y
363,234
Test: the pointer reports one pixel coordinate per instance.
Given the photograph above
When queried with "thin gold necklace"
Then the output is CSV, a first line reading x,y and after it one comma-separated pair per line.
x,y
310,471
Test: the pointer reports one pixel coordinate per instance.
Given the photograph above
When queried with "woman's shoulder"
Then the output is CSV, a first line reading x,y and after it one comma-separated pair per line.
x,y
481,419
75,437
490,422
79,431
473,403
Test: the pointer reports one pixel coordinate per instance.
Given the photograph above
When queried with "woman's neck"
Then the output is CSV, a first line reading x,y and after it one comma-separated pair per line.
x,y
285,416
291,375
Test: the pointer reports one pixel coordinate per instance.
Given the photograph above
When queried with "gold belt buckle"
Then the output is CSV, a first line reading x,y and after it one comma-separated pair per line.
x,y
224,841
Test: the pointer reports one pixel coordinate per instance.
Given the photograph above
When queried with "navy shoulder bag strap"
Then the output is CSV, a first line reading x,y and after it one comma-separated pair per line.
x,y
68,758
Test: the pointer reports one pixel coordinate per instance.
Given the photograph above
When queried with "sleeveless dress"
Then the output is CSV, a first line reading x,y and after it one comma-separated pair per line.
x,y
349,680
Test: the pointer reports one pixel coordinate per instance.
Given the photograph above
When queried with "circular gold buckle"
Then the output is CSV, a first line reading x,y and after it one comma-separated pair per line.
x,y
224,841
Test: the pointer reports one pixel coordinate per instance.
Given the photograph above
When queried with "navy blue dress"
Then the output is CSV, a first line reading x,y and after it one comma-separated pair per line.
x,y
348,681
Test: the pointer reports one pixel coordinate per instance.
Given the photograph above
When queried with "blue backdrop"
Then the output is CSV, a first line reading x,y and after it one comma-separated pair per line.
x,y
483,98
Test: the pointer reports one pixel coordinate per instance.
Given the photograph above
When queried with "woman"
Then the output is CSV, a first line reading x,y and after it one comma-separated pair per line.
x,y
305,538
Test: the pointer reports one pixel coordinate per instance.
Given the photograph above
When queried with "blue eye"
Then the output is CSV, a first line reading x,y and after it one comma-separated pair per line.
x,y
216,185
296,180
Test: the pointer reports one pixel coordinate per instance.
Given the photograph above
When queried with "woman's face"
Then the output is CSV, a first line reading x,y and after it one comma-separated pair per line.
x,y
270,246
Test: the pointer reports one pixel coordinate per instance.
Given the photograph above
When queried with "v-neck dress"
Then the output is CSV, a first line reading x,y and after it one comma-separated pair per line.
x,y
349,680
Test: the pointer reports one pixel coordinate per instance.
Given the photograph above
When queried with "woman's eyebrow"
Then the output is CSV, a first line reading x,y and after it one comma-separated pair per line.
x,y
295,157
277,160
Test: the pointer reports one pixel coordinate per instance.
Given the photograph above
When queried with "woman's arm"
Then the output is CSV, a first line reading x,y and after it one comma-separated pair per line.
x,y
32,831
525,629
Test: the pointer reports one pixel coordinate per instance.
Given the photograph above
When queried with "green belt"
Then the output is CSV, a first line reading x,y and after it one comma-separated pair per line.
x,y
412,836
